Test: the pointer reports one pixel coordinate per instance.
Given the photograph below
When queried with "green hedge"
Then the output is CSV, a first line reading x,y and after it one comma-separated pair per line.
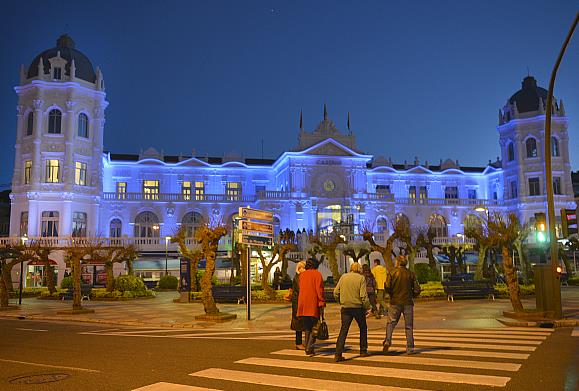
x,y
432,289
66,283
168,282
256,295
424,273
525,290
101,293
573,281
126,283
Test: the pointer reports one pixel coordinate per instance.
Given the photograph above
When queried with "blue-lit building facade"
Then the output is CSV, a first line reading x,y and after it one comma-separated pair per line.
x,y
66,184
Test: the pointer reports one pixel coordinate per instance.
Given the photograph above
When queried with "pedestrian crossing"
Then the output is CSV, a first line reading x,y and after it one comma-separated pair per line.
x,y
444,358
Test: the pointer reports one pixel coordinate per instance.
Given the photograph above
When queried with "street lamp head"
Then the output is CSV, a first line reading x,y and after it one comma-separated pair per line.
x,y
481,209
167,239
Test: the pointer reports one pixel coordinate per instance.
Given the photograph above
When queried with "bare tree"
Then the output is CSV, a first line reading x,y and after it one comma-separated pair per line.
x,y
328,246
76,253
278,254
480,233
424,239
193,253
519,244
209,238
42,252
10,255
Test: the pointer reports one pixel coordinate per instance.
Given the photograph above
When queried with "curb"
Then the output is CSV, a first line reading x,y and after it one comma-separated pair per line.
x,y
540,324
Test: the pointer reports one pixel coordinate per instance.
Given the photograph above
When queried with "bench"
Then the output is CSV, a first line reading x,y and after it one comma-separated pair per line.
x,y
85,291
468,289
229,294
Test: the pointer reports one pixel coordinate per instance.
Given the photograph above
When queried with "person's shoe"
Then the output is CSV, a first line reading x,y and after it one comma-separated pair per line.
x,y
300,347
311,353
410,351
364,354
385,346
339,358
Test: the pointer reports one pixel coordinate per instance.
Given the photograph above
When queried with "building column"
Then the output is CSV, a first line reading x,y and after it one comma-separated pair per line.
x,y
37,141
69,154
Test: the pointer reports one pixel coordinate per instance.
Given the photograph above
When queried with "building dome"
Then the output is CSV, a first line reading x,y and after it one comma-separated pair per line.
x,y
65,45
527,98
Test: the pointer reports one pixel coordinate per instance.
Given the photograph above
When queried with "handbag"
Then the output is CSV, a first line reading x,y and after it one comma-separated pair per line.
x,y
320,330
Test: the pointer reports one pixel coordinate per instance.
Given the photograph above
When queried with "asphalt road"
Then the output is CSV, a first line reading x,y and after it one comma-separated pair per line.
x,y
89,357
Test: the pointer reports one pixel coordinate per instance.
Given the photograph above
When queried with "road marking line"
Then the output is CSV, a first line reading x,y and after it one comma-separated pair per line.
x,y
412,374
454,339
162,386
226,333
441,362
49,366
478,331
464,353
301,383
43,331
527,329
575,332
148,331
457,345
465,335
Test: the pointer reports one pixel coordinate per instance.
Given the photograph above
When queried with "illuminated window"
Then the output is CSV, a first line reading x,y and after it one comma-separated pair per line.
x,y
146,225
186,190
80,173
49,224
82,125
151,190
30,124
52,171
534,187
121,190
531,145
423,192
554,147
54,121
199,191
233,191
27,171
412,192
57,74
79,224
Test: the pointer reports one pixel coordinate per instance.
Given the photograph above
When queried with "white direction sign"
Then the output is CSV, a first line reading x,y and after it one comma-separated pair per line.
x,y
255,214
254,226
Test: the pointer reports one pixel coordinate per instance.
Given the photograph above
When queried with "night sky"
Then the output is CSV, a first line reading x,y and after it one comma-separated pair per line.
x,y
420,78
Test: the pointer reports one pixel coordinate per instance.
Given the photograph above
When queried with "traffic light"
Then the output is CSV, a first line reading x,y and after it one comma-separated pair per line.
x,y
541,227
569,222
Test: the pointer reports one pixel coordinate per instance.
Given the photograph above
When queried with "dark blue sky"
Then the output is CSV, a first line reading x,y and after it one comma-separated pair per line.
x,y
421,78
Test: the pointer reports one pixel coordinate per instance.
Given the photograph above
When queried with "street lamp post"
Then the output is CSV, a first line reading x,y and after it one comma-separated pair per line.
x,y
23,239
167,239
556,296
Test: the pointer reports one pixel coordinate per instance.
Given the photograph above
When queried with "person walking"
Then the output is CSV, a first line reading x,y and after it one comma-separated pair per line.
x,y
296,323
277,278
403,287
370,289
351,294
311,302
380,273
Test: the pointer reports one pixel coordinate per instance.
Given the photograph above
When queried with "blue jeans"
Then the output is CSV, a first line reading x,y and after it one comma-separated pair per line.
x,y
394,312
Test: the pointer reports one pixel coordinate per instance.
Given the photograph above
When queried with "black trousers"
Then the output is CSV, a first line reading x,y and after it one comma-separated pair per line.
x,y
347,315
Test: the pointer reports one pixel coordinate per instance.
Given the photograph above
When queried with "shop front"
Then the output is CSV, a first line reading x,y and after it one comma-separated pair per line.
x,y
36,274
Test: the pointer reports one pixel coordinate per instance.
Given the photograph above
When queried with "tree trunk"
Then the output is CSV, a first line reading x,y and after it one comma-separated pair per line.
x,y
8,279
193,264
568,267
480,264
76,294
208,301
264,282
110,278
524,264
431,259
130,269
4,295
411,256
333,262
511,279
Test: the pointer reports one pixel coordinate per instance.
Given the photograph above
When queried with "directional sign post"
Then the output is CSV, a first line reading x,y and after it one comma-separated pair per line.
x,y
254,233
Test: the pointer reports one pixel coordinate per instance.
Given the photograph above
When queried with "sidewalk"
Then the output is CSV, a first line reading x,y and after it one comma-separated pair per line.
x,y
162,312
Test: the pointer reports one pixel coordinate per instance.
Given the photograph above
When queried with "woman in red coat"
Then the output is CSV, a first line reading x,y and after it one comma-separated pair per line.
x,y
310,302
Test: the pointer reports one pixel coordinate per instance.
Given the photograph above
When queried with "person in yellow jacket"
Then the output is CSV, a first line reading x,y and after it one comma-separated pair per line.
x,y
380,273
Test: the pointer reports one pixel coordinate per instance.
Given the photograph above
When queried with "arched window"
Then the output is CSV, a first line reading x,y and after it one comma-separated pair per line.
x,y
531,145
79,224
82,125
116,228
146,225
191,221
511,152
54,121
437,224
49,224
381,225
554,147
30,124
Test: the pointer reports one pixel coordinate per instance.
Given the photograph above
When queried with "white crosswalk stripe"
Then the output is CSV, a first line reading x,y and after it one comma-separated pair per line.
x,y
476,357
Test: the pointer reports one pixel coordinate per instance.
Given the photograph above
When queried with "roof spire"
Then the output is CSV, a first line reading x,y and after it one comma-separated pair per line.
x,y
301,120
325,112
349,121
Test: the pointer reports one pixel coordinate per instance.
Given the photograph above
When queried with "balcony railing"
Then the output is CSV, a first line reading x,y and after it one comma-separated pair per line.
x,y
449,201
177,197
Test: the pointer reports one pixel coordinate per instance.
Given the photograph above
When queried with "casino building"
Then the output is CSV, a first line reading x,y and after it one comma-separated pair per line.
x,y
65,184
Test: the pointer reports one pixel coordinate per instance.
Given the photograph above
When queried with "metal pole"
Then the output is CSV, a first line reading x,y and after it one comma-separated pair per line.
x,y
21,273
556,294
248,288
166,254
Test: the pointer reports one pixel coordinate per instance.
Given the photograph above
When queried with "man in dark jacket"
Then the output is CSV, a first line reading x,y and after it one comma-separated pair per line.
x,y
402,286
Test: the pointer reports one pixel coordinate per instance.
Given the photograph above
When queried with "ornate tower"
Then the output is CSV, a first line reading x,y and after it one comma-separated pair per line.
x,y
57,178
522,136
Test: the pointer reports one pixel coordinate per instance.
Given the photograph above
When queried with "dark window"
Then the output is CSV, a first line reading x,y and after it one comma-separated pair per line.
x,y
472,194
514,190
534,187
383,189
511,152
557,185
30,124
82,125
54,121
79,224
451,192
531,145
116,228
554,147
57,73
